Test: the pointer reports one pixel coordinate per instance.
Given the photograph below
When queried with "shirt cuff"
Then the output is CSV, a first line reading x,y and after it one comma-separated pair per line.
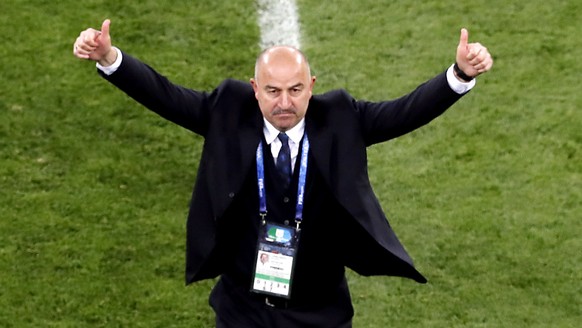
x,y
108,70
458,86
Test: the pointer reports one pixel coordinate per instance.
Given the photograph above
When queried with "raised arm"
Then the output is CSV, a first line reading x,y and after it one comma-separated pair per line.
x,y
389,119
183,106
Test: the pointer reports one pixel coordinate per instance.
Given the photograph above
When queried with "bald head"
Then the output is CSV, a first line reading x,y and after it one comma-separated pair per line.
x,y
281,56
283,86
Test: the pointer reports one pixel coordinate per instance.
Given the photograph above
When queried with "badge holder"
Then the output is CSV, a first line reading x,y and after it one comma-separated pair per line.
x,y
277,244
275,260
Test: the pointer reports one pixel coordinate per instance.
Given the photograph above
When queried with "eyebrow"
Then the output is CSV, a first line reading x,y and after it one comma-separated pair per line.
x,y
298,85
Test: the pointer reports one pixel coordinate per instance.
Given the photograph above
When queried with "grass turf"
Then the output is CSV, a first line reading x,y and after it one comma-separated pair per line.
x,y
94,189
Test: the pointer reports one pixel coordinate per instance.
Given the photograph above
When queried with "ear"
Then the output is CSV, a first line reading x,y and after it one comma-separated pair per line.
x,y
313,78
255,86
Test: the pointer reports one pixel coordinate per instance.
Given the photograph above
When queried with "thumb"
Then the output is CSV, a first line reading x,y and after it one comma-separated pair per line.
x,y
464,39
105,28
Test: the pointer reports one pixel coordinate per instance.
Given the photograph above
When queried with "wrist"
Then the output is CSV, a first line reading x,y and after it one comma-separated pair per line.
x,y
460,74
109,58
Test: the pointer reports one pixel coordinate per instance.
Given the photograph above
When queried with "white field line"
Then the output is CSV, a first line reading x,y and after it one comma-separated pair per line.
x,y
279,23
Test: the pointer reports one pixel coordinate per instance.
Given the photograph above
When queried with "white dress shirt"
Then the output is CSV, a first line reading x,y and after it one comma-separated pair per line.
x,y
295,134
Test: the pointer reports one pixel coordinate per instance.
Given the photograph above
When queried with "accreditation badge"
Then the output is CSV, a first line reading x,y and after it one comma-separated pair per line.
x,y
275,260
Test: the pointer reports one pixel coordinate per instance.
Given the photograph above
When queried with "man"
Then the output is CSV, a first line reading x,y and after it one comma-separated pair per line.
x,y
284,172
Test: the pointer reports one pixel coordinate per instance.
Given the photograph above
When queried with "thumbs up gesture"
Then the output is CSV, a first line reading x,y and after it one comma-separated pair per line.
x,y
95,45
473,58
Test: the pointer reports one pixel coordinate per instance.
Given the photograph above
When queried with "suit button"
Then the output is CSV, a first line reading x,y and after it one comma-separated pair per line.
x,y
231,195
285,199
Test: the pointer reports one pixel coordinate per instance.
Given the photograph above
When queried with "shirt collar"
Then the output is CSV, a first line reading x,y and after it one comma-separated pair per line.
x,y
295,133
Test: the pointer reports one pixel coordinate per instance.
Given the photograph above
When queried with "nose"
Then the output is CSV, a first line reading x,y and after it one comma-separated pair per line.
x,y
285,101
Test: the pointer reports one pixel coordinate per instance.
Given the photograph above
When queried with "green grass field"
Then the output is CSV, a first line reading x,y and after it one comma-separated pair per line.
x,y
94,189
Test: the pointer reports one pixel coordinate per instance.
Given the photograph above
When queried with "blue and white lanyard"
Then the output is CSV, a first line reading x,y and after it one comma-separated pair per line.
x,y
300,185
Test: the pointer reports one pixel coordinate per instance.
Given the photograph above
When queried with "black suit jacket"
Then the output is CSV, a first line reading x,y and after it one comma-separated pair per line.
x,y
339,127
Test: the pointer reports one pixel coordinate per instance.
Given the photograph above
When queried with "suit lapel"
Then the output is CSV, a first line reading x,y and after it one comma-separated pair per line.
x,y
321,143
249,138
235,155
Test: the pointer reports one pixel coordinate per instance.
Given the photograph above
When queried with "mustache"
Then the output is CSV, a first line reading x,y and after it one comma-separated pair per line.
x,y
278,111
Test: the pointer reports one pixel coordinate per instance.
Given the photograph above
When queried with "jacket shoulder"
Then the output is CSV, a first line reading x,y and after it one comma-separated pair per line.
x,y
333,105
235,88
333,96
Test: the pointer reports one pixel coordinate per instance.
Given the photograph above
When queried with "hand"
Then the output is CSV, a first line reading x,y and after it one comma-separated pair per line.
x,y
96,45
473,58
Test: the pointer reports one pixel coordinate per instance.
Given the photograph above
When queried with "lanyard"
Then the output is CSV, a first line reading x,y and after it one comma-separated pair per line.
x,y
300,185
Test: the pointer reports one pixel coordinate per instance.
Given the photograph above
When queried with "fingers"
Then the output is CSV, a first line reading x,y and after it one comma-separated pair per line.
x,y
478,60
86,43
479,57
91,43
485,65
475,50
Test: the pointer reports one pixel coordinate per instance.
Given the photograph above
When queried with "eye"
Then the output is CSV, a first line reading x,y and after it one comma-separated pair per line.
x,y
296,91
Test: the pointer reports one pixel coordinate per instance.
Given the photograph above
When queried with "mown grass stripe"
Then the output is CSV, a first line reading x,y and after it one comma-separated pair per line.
x,y
279,23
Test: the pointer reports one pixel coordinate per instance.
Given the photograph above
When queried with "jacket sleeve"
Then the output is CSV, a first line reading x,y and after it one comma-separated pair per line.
x,y
386,120
185,107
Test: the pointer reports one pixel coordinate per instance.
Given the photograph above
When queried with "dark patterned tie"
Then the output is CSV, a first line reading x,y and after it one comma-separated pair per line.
x,y
284,159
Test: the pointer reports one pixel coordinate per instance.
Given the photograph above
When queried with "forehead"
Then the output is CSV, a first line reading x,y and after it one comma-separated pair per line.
x,y
283,76
282,66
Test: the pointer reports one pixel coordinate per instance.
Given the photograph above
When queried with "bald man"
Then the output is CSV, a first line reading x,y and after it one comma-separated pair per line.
x,y
283,176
